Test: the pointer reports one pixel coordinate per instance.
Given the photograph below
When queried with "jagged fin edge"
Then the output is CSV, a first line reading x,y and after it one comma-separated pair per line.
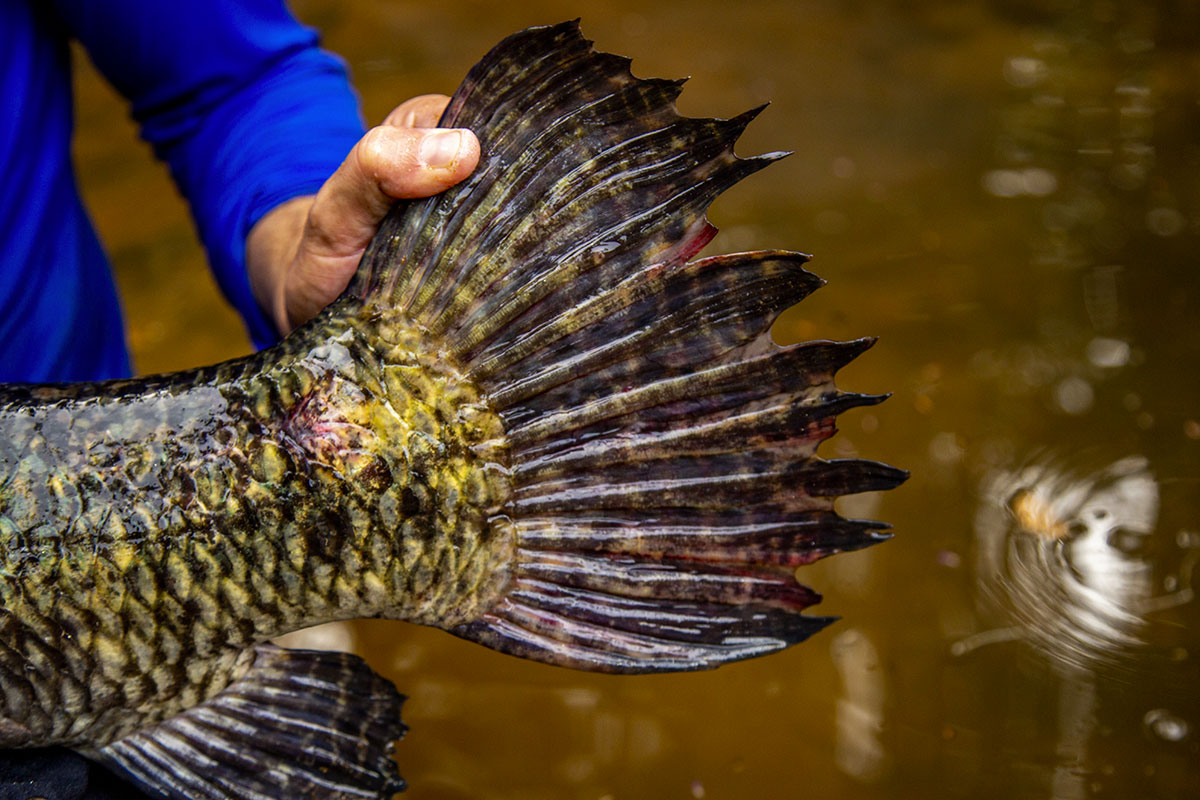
x,y
559,278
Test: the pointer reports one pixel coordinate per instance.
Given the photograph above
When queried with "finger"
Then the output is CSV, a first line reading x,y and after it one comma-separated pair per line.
x,y
388,164
423,111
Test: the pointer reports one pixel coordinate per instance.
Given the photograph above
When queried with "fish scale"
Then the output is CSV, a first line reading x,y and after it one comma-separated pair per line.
x,y
311,490
534,419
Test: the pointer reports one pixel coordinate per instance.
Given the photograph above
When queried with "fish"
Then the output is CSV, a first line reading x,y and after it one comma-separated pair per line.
x,y
535,419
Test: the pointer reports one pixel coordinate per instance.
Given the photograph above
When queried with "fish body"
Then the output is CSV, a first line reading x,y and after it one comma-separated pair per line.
x,y
533,419
154,530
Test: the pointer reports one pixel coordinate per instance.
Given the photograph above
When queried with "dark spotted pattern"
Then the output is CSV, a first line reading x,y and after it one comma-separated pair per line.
x,y
151,531
532,419
324,722
666,482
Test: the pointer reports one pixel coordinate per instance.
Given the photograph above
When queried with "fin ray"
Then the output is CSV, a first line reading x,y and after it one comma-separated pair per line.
x,y
662,449
299,723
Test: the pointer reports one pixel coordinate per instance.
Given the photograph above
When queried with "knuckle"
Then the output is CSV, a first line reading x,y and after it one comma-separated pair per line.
x,y
375,150
422,111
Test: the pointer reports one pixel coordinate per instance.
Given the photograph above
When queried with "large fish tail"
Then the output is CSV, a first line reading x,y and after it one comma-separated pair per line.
x,y
662,448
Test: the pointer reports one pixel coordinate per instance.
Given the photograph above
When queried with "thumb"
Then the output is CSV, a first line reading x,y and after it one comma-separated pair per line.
x,y
389,163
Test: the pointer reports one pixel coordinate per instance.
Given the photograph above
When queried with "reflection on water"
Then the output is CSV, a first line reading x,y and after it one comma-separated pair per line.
x,y
1062,555
1165,725
860,753
330,636
1061,558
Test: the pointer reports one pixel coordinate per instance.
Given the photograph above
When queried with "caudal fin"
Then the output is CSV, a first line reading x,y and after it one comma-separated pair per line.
x,y
662,448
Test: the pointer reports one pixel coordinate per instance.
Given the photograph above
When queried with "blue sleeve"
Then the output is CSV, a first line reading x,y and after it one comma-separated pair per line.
x,y
238,99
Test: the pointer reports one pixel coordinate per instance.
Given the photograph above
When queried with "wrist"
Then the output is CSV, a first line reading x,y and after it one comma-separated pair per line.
x,y
271,248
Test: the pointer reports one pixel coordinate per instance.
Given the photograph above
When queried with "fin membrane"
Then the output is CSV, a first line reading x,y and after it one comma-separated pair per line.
x,y
299,724
662,447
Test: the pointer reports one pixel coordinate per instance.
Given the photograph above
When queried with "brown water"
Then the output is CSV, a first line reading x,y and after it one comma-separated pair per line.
x,y
1008,194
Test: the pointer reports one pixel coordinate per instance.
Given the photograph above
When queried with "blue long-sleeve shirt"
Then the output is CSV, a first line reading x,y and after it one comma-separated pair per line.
x,y
234,95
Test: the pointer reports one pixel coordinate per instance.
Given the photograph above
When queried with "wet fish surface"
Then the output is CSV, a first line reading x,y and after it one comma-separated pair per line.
x,y
534,419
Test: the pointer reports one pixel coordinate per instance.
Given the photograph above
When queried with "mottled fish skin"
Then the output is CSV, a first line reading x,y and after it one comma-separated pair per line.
x,y
534,419
152,530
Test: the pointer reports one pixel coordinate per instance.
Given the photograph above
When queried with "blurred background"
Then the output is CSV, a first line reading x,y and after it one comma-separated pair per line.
x,y
1008,195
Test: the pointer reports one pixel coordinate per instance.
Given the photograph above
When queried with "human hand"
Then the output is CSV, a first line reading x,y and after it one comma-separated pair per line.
x,y
302,253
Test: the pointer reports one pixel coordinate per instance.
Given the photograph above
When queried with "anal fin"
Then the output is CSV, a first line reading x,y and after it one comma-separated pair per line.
x,y
299,724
